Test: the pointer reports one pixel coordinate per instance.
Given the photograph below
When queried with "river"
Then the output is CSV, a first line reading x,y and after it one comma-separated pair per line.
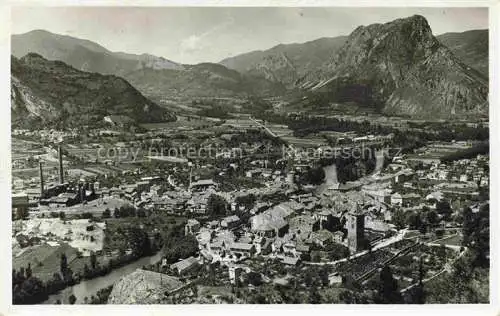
x,y
87,288
331,172
330,178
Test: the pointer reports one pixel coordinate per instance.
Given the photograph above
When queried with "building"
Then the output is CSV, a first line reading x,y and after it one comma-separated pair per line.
x,y
302,226
230,222
234,274
293,261
20,202
355,229
66,199
202,185
338,237
327,220
381,196
185,266
118,120
335,279
192,226
322,237
265,225
142,186
253,173
289,248
396,199
410,199
242,249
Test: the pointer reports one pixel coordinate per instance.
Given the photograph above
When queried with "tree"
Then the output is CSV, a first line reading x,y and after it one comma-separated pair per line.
x,y
388,292
314,297
86,271
22,213
476,233
139,242
216,205
398,218
414,221
444,208
64,264
315,176
323,274
106,213
141,212
30,291
29,272
72,299
254,278
62,215
93,260
432,217
418,293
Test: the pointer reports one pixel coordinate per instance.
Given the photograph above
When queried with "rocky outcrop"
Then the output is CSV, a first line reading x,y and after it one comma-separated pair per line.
x,y
143,287
402,69
285,63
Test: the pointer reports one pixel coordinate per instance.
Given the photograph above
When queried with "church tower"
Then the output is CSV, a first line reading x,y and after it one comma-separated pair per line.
x,y
355,229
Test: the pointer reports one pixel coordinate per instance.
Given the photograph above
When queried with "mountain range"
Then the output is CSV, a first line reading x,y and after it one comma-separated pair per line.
x,y
401,69
153,76
83,54
286,63
397,68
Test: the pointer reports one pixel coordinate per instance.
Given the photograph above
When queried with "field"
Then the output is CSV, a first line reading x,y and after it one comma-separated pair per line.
x,y
45,259
182,122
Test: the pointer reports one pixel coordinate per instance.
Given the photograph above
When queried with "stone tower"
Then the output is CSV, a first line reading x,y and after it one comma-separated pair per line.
x,y
355,229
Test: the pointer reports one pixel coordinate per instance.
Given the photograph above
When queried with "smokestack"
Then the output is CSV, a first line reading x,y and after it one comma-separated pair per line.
x,y
61,169
41,181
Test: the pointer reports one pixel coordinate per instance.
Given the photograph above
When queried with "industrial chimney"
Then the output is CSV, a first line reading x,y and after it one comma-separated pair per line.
x,y
41,181
61,169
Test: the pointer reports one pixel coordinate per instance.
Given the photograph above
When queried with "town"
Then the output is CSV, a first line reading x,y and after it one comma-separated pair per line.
x,y
250,154
244,210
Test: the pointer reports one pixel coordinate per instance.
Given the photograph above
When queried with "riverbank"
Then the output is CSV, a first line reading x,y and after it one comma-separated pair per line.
x,y
87,288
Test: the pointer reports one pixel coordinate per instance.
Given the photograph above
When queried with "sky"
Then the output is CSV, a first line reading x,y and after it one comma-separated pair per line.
x,y
195,34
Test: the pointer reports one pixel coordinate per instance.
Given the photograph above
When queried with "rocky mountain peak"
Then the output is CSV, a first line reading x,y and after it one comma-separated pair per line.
x,y
403,69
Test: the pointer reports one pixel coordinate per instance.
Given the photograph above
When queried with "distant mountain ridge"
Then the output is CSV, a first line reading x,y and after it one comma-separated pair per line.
x,y
397,68
286,63
52,93
154,76
83,54
201,80
470,46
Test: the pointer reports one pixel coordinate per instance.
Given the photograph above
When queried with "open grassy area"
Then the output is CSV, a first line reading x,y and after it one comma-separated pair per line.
x,y
45,259
181,122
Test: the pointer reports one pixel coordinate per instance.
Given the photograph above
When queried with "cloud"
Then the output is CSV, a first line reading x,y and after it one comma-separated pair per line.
x,y
194,42
191,43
